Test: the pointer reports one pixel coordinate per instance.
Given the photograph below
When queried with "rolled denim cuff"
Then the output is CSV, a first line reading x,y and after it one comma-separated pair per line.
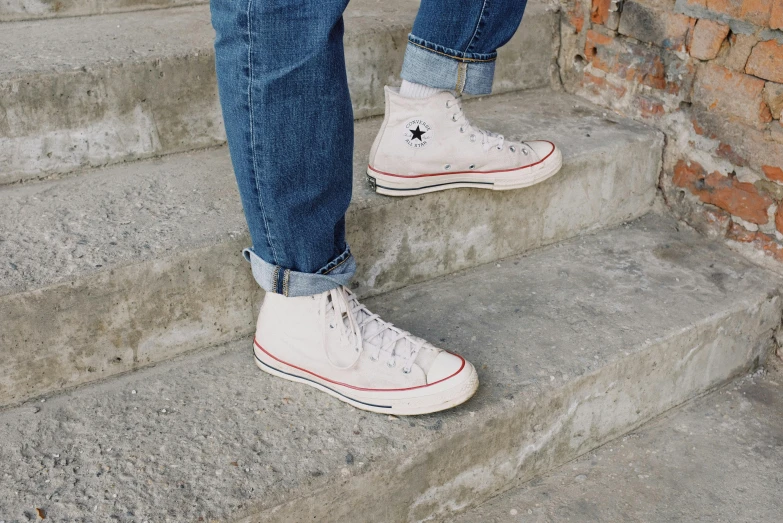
x,y
443,68
273,278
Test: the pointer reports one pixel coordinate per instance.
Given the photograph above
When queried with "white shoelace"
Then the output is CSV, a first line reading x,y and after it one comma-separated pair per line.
x,y
360,327
488,139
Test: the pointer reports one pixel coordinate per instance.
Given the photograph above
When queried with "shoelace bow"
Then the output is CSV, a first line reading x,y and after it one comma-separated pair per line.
x,y
346,311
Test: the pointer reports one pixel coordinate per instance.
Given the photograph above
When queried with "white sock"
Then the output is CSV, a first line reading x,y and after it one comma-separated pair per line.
x,y
412,90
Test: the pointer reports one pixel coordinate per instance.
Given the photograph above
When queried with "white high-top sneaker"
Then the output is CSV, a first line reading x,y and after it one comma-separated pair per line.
x,y
332,342
428,144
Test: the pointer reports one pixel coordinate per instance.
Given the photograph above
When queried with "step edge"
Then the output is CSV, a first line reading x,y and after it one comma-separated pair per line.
x,y
384,481
637,133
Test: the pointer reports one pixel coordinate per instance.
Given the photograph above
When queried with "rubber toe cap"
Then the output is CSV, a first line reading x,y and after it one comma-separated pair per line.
x,y
541,148
444,366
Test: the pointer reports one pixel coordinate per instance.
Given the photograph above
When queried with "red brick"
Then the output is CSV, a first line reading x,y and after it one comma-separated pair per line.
x,y
776,15
766,61
758,239
759,146
650,108
706,39
725,151
725,192
754,11
773,96
716,219
599,12
686,173
574,15
627,60
598,85
701,131
739,52
722,90
593,40
741,234
773,173
654,26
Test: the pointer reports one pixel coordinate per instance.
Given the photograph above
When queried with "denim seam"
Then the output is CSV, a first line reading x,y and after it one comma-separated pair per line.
x,y
478,24
460,59
286,276
252,133
348,257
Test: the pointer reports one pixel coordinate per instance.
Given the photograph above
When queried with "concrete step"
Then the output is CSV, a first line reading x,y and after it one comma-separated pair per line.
x,y
139,262
137,85
718,458
575,345
11,10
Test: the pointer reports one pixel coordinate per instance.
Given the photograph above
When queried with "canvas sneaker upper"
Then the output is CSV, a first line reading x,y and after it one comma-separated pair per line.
x,y
333,341
432,136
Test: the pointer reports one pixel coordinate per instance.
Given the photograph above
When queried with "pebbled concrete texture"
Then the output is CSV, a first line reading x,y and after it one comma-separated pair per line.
x,y
575,344
134,264
142,84
11,10
718,458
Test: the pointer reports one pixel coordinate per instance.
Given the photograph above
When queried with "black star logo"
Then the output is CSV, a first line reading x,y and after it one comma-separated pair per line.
x,y
417,134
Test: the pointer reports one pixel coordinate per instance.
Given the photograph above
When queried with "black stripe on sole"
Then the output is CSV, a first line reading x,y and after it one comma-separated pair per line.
x,y
319,384
428,186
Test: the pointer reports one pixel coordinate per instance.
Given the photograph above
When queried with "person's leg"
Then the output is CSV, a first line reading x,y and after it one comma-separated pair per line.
x,y
288,117
426,143
454,43
284,93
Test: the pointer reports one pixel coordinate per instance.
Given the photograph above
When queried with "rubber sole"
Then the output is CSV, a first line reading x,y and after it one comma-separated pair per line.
x,y
442,396
398,185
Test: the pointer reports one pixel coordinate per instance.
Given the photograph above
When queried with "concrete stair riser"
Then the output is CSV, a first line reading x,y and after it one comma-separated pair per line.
x,y
673,468
162,292
11,10
575,344
537,435
142,84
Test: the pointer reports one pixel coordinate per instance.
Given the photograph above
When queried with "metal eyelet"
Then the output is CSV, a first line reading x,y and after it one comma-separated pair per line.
x,y
373,358
454,117
472,166
406,371
448,105
512,148
461,129
472,137
499,148
447,166
391,364
526,152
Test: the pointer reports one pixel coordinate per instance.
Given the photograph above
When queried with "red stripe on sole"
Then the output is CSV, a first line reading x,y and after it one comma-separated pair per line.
x,y
468,172
462,366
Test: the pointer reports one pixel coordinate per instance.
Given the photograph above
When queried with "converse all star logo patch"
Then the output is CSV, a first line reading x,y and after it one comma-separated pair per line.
x,y
418,133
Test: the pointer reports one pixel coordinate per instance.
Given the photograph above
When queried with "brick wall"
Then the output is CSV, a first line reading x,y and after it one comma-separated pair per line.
x,y
709,74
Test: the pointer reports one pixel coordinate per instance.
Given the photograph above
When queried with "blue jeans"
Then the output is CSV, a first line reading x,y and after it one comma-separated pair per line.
x,y
288,116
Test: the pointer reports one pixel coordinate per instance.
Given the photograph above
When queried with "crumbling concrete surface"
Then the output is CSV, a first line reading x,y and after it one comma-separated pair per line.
x,y
718,458
575,345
